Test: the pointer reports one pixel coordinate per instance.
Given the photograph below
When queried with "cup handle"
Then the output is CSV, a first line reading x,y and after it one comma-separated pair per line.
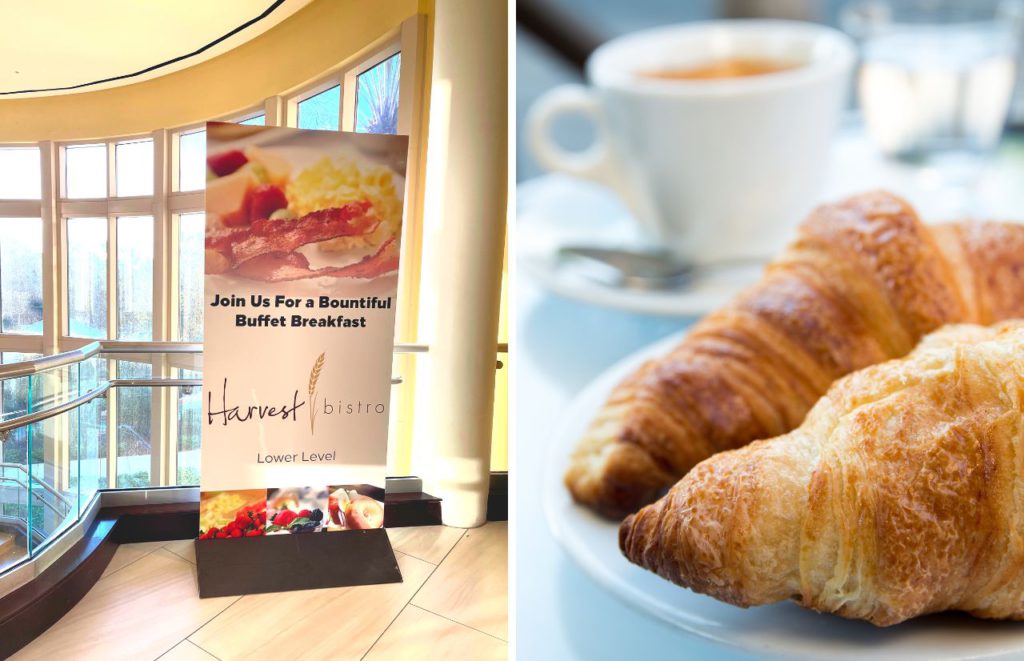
x,y
595,162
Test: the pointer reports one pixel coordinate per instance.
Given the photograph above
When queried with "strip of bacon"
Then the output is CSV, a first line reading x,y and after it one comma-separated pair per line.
x,y
237,245
278,267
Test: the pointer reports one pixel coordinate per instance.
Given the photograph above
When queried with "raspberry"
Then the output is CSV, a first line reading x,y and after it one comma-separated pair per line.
x,y
265,200
226,163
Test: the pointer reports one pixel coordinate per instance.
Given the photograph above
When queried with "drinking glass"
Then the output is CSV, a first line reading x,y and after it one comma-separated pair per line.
x,y
936,78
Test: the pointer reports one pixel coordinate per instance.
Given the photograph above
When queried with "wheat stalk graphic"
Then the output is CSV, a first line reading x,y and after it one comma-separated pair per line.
x,y
314,376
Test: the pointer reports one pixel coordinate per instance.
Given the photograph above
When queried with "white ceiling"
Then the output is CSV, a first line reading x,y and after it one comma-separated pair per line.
x,y
53,44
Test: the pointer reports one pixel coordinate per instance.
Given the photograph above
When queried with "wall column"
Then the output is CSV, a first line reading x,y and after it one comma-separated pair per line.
x,y
469,130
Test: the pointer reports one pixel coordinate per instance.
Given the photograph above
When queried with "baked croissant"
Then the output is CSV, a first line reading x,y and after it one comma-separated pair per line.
x,y
901,494
864,281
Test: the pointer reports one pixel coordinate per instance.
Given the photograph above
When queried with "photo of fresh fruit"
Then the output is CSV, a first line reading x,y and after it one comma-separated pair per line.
x,y
295,510
224,514
350,510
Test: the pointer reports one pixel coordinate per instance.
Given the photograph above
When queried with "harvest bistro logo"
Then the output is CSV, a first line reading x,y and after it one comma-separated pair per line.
x,y
288,411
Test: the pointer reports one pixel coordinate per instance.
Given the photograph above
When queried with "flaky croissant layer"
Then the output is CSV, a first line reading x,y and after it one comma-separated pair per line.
x,y
902,493
862,283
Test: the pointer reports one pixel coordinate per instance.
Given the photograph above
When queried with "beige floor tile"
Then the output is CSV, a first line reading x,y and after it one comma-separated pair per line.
x,y
126,554
418,635
183,548
471,585
430,543
336,623
138,612
186,651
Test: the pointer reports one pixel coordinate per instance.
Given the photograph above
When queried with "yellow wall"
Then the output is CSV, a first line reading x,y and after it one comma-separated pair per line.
x,y
300,49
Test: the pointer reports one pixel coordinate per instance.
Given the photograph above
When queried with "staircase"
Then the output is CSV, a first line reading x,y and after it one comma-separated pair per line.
x,y
10,550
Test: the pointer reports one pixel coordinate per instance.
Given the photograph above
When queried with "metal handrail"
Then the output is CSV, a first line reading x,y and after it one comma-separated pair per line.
x,y
44,363
155,383
21,468
7,425
53,508
59,496
151,347
45,502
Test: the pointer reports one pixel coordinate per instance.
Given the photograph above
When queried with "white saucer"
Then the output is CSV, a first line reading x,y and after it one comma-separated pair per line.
x,y
557,210
781,630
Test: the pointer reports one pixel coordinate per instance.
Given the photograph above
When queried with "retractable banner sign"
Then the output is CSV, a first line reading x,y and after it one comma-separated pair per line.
x,y
303,231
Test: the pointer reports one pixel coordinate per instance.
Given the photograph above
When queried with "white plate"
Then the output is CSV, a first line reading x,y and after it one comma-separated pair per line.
x,y
778,630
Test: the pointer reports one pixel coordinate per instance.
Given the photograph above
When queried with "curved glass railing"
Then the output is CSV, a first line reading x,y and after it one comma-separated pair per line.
x,y
94,418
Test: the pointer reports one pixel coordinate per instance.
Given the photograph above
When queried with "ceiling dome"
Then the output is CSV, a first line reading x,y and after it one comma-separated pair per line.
x,y
66,46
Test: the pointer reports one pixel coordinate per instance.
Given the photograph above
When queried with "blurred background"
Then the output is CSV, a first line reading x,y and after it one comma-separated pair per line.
x,y
554,37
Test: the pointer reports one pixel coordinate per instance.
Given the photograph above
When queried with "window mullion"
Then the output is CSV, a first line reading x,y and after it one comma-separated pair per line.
x,y
161,404
274,109
111,276
347,107
111,171
54,301
162,259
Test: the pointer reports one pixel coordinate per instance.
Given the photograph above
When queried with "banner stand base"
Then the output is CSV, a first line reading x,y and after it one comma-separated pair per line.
x,y
280,563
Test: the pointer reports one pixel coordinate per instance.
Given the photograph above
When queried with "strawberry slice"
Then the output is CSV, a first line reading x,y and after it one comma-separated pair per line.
x,y
227,162
265,200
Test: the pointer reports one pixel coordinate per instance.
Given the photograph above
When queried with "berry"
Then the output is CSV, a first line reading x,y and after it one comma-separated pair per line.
x,y
227,162
264,200
284,517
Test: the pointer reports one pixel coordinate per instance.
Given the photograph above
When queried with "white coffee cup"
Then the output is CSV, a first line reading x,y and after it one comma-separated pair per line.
x,y
713,169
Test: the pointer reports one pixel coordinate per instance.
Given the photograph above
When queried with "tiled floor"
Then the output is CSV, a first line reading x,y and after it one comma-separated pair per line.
x,y
451,604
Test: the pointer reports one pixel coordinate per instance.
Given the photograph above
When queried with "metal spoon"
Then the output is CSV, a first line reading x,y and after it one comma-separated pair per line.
x,y
633,269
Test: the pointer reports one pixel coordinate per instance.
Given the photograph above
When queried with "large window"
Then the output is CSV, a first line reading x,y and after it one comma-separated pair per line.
x,y
85,171
134,164
135,278
191,231
192,160
21,279
87,277
377,97
321,111
20,173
